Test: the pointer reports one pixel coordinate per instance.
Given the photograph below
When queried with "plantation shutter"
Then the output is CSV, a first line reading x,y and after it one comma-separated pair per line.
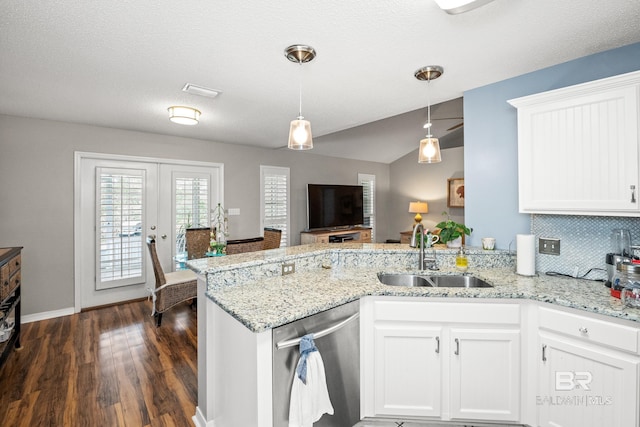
x,y
368,183
275,200
119,214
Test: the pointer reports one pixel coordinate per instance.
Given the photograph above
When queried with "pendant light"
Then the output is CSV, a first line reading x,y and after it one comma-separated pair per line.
x,y
429,146
300,129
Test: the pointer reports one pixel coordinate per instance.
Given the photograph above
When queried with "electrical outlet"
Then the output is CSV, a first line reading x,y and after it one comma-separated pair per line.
x,y
288,268
549,246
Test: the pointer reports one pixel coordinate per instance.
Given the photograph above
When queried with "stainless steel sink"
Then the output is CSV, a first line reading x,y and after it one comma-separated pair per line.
x,y
403,280
458,282
433,281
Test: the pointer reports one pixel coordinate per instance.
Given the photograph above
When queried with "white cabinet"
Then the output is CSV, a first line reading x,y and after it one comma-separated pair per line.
x,y
578,148
408,371
485,374
588,372
435,360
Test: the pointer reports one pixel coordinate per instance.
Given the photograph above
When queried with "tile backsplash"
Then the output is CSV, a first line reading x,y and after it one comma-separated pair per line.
x,y
584,241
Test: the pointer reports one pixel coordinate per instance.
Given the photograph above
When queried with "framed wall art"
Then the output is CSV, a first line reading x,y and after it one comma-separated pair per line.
x,y
455,193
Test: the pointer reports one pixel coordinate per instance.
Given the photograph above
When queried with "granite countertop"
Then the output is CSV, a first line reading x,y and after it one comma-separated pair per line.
x,y
268,302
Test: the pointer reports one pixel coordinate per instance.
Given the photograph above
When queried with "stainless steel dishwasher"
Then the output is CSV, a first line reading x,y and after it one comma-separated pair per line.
x,y
337,337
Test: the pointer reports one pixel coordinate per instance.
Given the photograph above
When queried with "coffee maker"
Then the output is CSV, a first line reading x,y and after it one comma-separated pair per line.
x,y
620,251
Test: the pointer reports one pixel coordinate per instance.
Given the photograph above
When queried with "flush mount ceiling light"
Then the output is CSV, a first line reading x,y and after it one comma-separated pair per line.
x,y
300,129
429,147
184,115
453,7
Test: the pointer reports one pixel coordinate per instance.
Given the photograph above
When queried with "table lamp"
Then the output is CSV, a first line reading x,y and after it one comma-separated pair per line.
x,y
418,208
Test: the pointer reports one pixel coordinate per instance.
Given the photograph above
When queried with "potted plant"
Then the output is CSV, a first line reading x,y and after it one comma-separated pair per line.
x,y
452,232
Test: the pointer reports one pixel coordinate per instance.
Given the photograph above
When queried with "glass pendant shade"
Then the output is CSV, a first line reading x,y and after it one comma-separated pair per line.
x,y
429,150
184,115
300,135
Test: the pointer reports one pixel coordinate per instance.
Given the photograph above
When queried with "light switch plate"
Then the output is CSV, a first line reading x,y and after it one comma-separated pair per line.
x,y
233,211
549,246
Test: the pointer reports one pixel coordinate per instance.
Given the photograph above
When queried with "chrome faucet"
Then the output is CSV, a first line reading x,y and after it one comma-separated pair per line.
x,y
424,262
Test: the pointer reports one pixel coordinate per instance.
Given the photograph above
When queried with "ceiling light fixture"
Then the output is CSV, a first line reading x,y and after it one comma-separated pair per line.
x,y
300,129
429,147
453,7
184,115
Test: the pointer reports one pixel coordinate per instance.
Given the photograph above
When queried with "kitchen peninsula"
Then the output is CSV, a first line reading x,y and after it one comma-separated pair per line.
x,y
243,297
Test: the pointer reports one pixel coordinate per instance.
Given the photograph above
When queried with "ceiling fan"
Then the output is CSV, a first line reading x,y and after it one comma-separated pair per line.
x,y
459,125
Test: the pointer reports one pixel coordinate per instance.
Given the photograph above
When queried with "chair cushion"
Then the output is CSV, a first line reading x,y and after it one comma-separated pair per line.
x,y
180,276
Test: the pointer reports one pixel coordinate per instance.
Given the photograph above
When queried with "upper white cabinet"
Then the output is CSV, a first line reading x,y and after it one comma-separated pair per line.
x,y
578,148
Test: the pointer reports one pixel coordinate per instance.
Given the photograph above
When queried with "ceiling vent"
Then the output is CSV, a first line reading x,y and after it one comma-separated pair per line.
x,y
200,90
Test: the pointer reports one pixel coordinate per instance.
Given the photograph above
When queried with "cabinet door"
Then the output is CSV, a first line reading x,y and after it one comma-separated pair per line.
x,y
578,148
485,374
582,384
407,364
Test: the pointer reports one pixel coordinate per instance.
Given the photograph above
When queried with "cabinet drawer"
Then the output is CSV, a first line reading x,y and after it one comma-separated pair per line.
x,y
14,264
589,329
14,282
4,281
426,311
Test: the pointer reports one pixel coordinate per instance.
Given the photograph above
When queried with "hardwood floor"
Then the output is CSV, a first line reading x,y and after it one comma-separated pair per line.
x,y
105,367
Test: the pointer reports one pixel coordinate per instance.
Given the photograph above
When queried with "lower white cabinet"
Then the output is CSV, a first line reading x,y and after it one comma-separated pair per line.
x,y
588,372
485,374
448,361
408,371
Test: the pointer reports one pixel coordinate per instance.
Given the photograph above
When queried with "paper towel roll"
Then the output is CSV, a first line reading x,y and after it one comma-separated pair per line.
x,y
526,254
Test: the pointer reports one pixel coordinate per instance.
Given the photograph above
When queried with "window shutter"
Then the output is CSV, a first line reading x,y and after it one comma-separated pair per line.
x,y
368,183
275,200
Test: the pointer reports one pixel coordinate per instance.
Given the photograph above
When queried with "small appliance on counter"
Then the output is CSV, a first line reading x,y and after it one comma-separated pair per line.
x,y
620,252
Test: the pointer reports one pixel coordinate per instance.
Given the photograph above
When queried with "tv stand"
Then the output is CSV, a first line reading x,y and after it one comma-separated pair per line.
x,y
350,235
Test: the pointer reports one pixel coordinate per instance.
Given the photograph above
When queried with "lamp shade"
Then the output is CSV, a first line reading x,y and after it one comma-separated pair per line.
x,y
300,135
184,115
429,150
418,207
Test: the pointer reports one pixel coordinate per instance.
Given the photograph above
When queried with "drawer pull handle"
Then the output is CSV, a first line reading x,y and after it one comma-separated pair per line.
x,y
457,352
544,352
437,344
633,193
583,330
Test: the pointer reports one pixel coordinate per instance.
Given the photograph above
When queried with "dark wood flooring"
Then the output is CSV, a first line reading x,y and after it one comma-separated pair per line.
x,y
105,367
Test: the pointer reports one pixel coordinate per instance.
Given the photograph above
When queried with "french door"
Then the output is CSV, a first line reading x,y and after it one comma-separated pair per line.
x,y
122,200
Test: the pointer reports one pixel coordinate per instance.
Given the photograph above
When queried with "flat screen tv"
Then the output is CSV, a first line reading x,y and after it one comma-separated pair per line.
x,y
334,206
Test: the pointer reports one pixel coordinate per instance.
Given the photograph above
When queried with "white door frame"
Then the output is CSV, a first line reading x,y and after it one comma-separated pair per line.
x,y
79,156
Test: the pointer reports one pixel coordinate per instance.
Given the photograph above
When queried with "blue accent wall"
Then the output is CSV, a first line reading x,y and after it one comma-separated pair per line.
x,y
491,143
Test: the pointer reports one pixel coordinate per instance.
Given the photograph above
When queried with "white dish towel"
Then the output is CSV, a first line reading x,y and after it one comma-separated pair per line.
x,y
309,394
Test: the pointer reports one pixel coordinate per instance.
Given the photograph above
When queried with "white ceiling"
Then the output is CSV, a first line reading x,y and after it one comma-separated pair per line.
x,y
121,64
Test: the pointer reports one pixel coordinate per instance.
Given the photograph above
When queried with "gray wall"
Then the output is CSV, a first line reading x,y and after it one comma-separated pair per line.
x,y
36,208
413,181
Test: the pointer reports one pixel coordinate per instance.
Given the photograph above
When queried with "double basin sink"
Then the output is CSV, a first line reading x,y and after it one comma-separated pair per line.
x,y
432,281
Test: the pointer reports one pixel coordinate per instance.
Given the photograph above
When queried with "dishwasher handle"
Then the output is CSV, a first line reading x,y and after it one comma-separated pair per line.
x,y
322,333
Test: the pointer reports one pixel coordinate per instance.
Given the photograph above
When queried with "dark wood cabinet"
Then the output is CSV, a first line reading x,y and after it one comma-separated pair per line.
x,y
10,286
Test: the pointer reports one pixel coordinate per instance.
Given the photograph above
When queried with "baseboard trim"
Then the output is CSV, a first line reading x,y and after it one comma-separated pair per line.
x,y
47,315
200,421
